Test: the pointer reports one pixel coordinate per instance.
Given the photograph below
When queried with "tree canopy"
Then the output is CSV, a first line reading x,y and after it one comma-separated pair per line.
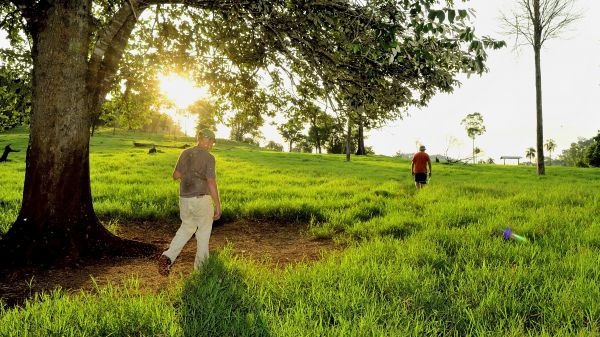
x,y
382,55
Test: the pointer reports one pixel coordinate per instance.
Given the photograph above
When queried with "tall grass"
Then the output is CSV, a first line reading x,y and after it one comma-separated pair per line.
x,y
427,263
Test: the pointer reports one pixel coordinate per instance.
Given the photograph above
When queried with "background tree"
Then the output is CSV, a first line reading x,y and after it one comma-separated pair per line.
x,y
273,146
530,153
474,126
244,126
291,131
133,106
575,154
550,147
318,122
537,21
336,143
207,114
303,145
15,73
592,153
15,95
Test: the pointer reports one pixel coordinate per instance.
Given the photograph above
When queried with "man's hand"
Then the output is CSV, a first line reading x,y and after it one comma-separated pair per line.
x,y
413,173
217,214
429,174
176,175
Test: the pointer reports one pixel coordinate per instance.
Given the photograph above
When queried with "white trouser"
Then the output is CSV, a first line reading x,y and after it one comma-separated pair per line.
x,y
196,218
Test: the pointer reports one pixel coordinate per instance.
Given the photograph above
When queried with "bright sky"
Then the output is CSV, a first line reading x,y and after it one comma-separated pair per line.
x,y
505,96
182,92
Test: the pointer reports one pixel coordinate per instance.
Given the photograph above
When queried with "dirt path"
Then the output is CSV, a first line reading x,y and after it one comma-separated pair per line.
x,y
278,244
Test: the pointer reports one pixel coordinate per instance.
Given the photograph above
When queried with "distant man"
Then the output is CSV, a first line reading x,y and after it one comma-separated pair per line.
x,y
196,169
420,162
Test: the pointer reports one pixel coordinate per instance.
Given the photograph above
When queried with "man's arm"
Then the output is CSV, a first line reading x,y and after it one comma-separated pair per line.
x,y
429,164
412,168
214,194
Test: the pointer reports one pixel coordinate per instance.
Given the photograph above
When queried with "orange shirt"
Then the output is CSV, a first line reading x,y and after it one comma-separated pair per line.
x,y
420,162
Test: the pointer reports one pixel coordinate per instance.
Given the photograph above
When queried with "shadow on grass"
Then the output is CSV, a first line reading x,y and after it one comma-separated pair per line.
x,y
218,302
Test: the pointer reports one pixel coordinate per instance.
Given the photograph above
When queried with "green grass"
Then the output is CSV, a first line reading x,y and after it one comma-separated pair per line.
x,y
422,264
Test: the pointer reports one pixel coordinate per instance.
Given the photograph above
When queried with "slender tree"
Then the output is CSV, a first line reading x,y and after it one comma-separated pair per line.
x,y
550,147
537,21
474,126
530,154
477,151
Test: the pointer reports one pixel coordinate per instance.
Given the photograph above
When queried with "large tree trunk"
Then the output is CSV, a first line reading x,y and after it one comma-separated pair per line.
x,y
541,169
537,46
57,223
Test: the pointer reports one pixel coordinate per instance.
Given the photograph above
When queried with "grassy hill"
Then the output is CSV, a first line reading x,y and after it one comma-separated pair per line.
x,y
426,263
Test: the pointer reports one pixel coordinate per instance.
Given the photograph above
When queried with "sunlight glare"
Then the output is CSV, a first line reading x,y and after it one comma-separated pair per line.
x,y
186,121
182,92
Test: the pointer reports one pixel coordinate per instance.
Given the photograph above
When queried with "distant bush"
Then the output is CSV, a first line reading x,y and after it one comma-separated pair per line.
x,y
251,141
274,146
303,146
575,155
592,153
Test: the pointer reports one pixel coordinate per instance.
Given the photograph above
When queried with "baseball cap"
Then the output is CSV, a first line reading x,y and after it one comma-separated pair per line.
x,y
205,133
422,148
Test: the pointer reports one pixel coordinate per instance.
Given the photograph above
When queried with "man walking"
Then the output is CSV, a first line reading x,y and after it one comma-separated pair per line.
x,y
420,162
196,171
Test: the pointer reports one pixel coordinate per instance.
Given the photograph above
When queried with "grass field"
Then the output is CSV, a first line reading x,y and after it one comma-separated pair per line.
x,y
422,264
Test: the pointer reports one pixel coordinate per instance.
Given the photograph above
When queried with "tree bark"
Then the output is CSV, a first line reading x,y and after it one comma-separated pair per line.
x,y
537,46
57,224
360,151
473,150
317,135
318,142
349,140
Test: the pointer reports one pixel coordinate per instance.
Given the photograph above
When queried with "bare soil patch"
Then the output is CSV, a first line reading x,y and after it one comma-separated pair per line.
x,y
276,244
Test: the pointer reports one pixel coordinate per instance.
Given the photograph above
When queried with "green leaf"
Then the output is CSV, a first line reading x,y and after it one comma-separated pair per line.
x,y
441,16
432,15
451,15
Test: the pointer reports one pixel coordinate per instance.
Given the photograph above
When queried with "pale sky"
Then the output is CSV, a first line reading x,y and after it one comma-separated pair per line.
x,y
505,96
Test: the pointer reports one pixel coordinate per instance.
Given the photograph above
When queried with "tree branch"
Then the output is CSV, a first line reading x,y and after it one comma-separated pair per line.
x,y
108,52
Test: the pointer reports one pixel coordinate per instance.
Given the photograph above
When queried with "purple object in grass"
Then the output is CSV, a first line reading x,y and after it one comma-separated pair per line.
x,y
507,233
